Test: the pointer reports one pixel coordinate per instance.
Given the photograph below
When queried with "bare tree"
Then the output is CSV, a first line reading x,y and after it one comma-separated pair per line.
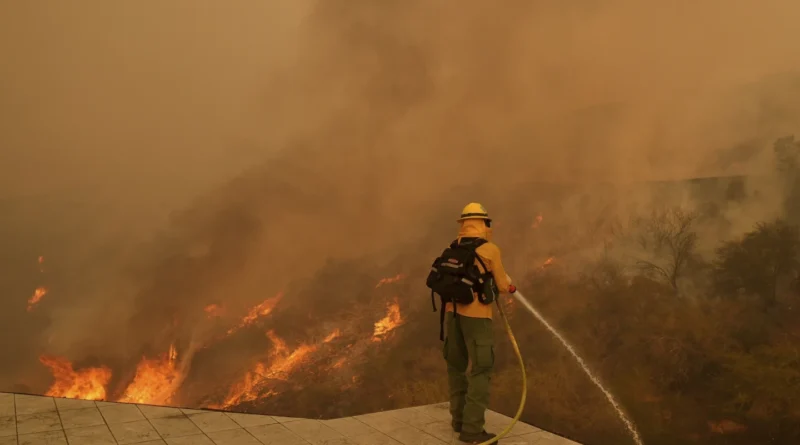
x,y
787,155
787,160
668,237
765,262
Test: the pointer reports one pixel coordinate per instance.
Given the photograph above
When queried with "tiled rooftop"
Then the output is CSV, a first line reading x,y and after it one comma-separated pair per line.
x,y
37,420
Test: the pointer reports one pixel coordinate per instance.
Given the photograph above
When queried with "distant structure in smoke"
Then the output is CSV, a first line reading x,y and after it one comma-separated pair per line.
x,y
787,159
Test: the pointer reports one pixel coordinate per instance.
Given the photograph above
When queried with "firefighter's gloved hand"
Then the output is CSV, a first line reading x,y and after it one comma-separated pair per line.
x,y
512,288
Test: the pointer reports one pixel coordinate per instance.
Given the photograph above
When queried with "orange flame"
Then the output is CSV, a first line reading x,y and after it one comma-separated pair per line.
x,y
390,280
247,390
280,369
156,380
278,345
536,222
262,310
332,336
388,323
38,294
87,384
281,364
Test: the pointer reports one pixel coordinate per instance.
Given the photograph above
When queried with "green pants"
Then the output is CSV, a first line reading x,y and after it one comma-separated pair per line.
x,y
468,340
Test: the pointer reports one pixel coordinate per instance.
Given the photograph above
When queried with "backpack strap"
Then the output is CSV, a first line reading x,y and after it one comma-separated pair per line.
x,y
471,244
485,269
441,323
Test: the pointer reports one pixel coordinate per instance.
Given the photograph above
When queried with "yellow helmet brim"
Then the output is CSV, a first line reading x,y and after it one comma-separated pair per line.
x,y
467,216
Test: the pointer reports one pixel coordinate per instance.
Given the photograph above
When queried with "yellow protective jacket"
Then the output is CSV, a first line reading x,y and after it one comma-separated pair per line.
x,y
490,254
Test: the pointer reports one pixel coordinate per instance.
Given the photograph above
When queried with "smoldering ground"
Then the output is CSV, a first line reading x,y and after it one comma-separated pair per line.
x,y
162,157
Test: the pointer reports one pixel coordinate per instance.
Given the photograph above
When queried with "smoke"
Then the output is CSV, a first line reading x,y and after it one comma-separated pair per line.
x,y
165,156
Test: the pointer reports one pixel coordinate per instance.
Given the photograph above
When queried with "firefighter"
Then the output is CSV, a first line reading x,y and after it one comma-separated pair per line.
x,y
469,336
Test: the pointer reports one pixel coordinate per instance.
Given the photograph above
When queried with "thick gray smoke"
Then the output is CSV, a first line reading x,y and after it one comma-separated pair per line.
x,y
295,132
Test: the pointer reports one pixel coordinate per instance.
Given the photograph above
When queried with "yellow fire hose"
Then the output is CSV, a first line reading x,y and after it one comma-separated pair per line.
x,y
524,394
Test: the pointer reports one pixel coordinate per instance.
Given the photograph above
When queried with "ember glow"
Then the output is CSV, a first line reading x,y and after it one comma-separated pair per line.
x,y
389,280
86,384
262,310
388,323
536,222
156,380
548,262
37,296
726,427
213,311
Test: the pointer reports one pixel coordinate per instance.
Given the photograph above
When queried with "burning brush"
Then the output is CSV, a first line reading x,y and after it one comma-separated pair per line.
x,y
158,380
87,384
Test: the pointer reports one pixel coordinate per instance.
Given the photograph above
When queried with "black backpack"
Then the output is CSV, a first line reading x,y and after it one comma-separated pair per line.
x,y
455,276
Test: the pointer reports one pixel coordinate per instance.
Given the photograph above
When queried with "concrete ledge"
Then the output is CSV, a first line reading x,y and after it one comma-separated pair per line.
x,y
38,420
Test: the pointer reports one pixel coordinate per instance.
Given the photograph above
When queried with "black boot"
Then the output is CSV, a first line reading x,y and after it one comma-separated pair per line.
x,y
456,426
476,437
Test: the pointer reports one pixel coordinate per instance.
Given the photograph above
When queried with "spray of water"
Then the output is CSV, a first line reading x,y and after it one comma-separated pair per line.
x,y
628,423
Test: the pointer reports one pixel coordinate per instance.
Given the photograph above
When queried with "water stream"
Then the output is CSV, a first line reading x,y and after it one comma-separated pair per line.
x,y
628,423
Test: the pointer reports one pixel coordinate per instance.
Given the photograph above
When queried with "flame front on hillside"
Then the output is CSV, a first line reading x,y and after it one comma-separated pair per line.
x,y
281,364
156,380
261,310
389,280
37,296
87,384
388,323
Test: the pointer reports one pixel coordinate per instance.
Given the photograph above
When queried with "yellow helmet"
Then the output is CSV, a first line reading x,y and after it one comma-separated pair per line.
x,y
474,210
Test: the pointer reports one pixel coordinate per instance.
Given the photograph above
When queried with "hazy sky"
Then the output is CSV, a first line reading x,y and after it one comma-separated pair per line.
x,y
165,93
173,96
146,106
